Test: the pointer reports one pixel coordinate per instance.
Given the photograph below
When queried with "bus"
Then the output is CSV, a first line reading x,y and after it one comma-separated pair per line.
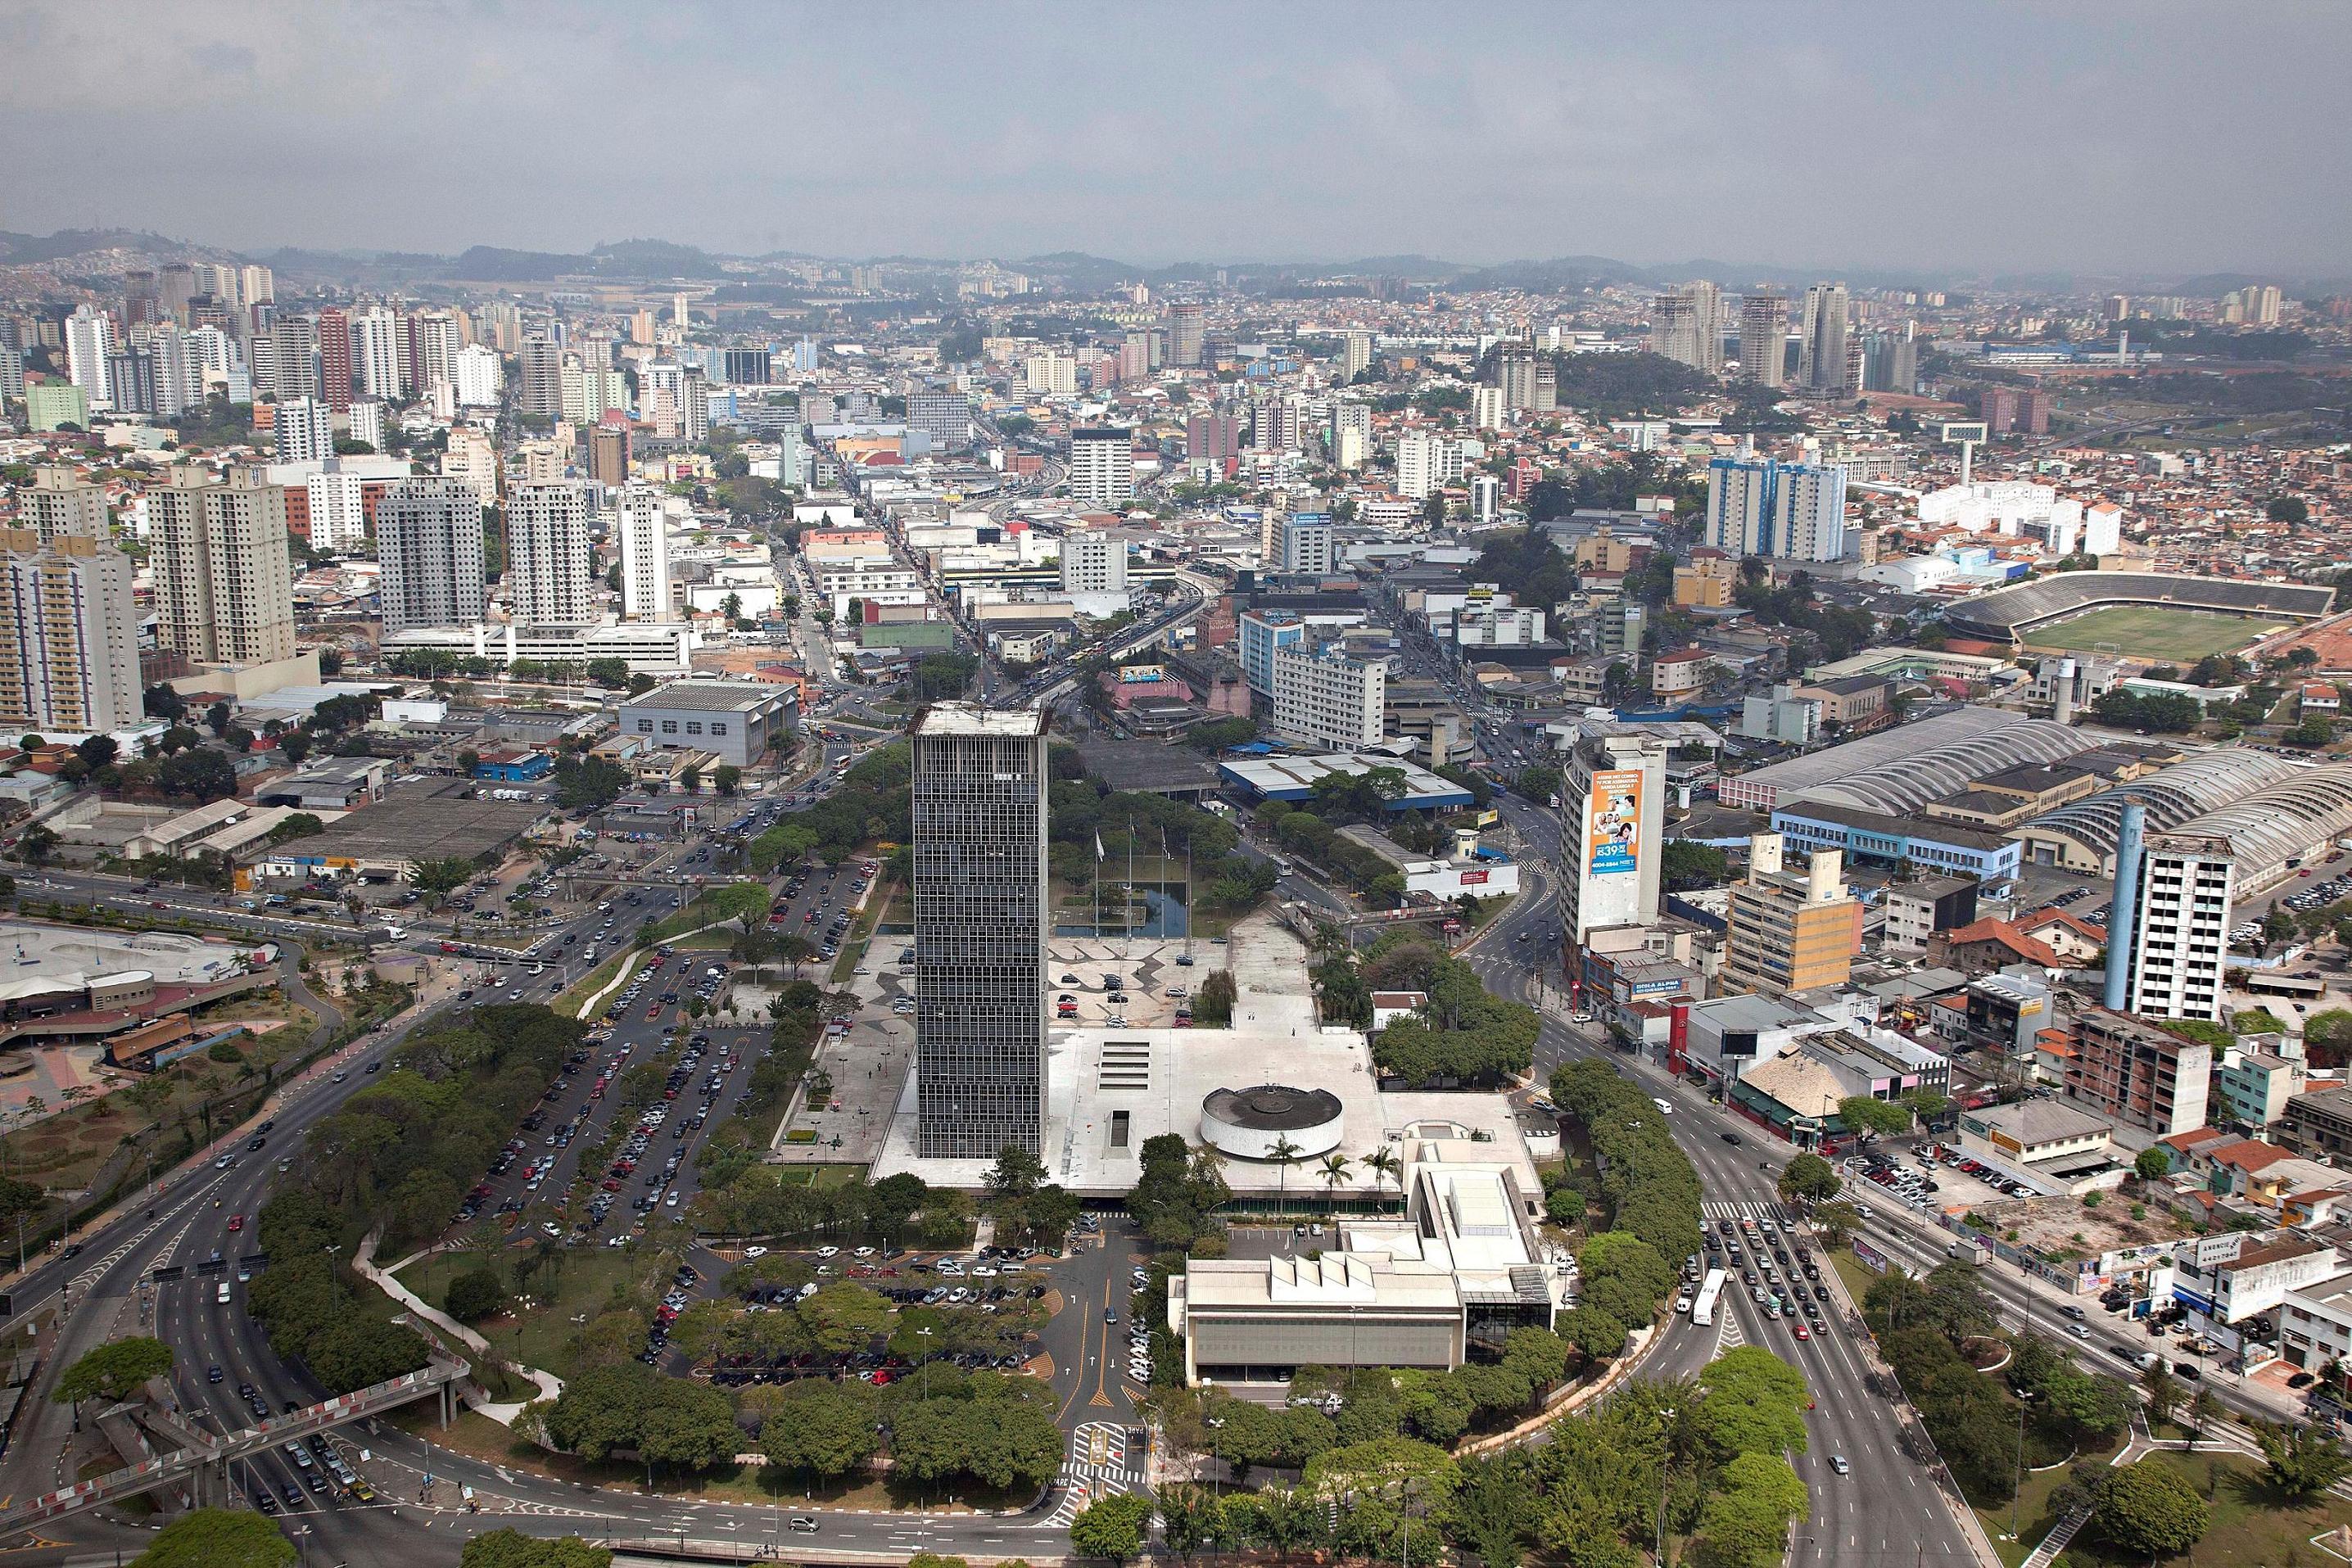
x,y
1703,1309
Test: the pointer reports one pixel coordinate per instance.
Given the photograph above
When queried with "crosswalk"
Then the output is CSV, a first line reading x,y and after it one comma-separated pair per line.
x,y
1727,1209
1097,1465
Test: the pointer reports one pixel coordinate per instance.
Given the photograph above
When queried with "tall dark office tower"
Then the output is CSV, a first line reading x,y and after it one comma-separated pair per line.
x,y
979,931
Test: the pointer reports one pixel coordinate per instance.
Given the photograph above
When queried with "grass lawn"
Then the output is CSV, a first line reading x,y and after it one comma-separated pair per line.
x,y
2152,632
573,1001
2252,1526
817,1175
591,1279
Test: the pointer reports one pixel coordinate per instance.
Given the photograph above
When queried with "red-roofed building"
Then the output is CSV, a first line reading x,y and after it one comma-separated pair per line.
x,y
1985,944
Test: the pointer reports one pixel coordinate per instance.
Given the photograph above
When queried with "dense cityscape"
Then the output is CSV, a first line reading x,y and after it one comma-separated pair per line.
x,y
692,901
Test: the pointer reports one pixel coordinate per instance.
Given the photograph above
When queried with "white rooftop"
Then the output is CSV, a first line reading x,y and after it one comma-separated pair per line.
x,y
968,718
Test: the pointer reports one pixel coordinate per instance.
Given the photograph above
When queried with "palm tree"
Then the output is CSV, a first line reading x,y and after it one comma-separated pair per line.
x,y
1333,1173
1384,1165
1285,1154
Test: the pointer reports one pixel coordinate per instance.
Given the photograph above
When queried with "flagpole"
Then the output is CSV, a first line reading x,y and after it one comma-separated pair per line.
x,y
1127,925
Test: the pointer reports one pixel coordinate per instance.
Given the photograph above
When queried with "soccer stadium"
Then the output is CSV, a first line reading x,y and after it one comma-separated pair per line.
x,y
2137,614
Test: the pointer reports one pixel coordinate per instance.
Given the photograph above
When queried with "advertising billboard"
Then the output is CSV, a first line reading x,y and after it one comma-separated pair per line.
x,y
1613,824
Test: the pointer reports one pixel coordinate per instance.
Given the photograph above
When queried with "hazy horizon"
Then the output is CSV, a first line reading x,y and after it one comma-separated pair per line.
x,y
1980,138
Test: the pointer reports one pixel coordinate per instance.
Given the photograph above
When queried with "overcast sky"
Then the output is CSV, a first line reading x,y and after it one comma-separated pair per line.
x,y
2143,138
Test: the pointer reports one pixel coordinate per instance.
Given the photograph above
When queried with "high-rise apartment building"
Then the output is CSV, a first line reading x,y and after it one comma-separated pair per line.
x,y
89,339
224,580
1212,434
1487,409
1186,336
70,629
1102,466
1426,464
335,359
60,504
542,377
1514,373
179,372
1260,634
980,914
470,455
130,380
1785,511
376,336
478,377
294,357
1764,339
334,509
944,416
1050,375
2178,933
433,343
256,285
1307,543
174,288
1789,931
1821,343
428,533
1686,326
1612,810
547,555
364,422
1094,560
1322,697
608,454
1355,354
304,430
646,593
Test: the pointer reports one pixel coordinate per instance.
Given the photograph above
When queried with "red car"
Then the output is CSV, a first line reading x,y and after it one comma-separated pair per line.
x,y
653,1012
237,1222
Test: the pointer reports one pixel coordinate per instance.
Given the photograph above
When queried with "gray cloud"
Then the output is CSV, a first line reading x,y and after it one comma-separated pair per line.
x,y
2144,138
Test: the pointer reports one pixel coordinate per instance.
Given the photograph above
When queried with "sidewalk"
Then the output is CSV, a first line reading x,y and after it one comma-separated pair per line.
x,y
363,1261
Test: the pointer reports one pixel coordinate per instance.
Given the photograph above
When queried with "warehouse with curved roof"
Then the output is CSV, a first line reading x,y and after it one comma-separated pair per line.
x,y
1931,768
2280,822
1973,741
2002,614
2082,834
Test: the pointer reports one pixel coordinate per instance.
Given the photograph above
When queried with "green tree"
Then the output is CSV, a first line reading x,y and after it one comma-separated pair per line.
x,y
1810,1178
114,1371
1212,1005
2152,1164
218,1537
825,1430
1879,1118
1751,1402
2149,1510
2299,1461
690,1424
475,1294
509,1548
1111,1527
611,673
199,774
1745,1523
727,780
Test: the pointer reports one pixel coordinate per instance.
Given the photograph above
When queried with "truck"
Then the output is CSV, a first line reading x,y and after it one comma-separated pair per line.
x,y
1710,1291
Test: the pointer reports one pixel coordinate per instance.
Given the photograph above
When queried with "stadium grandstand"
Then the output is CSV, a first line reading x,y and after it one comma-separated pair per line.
x,y
2081,836
1900,769
2006,614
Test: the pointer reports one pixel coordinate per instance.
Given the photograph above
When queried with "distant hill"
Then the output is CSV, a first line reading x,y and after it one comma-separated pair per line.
x,y
31,250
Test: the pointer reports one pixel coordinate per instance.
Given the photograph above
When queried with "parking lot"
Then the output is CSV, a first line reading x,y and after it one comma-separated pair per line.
x,y
1932,1175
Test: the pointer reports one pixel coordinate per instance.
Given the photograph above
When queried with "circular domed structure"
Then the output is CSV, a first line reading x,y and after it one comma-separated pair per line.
x,y
1248,1123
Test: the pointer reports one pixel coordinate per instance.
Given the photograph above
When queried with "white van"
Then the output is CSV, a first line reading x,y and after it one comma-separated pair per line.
x,y
220,1296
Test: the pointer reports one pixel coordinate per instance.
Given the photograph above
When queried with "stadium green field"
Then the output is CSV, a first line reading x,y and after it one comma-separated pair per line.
x,y
2152,632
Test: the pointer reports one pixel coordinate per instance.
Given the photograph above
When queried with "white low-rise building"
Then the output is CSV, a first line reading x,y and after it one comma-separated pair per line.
x,y
1462,1266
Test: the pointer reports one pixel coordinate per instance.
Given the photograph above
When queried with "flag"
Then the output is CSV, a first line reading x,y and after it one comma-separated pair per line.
x,y
1100,852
